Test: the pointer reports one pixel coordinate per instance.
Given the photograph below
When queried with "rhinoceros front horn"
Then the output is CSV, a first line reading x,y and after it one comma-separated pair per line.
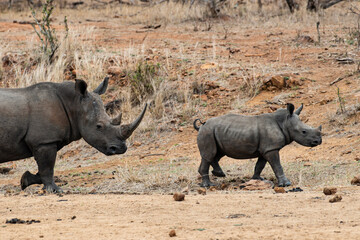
x,y
127,129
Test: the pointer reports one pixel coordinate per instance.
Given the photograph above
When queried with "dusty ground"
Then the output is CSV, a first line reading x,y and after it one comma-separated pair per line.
x,y
246,215
131,194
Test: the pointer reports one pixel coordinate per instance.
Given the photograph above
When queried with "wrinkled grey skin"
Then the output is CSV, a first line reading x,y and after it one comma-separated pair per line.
x,y
261,136
41,119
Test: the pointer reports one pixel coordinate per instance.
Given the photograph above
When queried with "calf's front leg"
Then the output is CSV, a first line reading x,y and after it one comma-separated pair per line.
x,y
274,159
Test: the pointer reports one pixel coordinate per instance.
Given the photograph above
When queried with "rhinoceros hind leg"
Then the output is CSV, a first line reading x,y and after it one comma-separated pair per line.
x,y
260,164
204,172
217,169
218,173
45,156
28,179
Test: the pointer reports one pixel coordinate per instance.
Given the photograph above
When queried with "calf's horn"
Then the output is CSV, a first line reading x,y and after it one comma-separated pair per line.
x,y
298,111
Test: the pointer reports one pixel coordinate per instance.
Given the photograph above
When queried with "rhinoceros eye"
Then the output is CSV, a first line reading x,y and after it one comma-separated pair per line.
x,y
303,131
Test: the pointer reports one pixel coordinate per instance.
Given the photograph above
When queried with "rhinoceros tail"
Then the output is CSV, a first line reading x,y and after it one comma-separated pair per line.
x,y
195,126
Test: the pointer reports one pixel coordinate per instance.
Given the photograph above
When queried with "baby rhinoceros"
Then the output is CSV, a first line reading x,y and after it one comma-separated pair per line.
x,y
260,136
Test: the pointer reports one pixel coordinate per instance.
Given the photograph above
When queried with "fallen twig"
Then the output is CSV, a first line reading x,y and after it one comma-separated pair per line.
x,y
151,154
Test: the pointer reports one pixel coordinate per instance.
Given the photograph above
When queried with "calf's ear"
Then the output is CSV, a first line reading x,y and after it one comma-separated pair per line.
x,y
101,89
80,87
290,108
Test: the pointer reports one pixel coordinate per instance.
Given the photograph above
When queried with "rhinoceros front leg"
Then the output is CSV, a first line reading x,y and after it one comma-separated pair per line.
x,y
204,172
274,159
260,164
45,156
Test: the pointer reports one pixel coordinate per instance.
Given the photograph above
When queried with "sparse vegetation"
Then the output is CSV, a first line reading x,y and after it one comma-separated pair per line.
x,y
47,33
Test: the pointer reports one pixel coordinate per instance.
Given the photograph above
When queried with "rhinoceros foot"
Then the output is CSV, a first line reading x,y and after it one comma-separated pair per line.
x,y
53,188
284,182
218,173
206,182
257,178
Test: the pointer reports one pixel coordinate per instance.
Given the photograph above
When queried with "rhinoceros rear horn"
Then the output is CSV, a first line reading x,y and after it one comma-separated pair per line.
x,y
298,111
290,108
101,89
117,120
127,130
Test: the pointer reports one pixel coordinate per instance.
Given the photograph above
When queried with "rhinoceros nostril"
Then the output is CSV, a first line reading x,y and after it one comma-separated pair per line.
x,y
112,149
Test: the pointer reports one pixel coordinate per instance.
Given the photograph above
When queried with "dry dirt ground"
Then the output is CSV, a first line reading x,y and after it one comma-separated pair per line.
x,y
130,196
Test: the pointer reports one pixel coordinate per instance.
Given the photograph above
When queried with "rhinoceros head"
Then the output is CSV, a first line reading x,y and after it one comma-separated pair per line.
x,y
96,127
299,131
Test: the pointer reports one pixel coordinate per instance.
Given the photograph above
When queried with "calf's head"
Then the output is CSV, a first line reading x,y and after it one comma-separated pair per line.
x,y
96,127
299,131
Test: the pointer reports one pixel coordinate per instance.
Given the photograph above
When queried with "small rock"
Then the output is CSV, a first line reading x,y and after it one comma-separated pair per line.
x,y
279,190
329,191
212,188
278,81
5,170
182,179
185,190
297,189
355,181
307,164
304,39
92,191
224,186
136,144
172,233
256,184
204,98
179,196
113,70
202,191
336,198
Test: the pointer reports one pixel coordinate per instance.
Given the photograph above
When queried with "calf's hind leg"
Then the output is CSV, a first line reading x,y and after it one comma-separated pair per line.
x,y
260,164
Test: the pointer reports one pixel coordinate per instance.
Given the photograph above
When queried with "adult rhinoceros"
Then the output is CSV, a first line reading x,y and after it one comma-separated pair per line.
x,y
41,119
261,136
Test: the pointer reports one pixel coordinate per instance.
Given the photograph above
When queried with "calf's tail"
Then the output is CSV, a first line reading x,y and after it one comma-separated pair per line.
x,y
195,126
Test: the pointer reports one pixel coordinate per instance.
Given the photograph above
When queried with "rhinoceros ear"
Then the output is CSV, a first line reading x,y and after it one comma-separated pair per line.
x,y
101,89
80,87
290,108
319,128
